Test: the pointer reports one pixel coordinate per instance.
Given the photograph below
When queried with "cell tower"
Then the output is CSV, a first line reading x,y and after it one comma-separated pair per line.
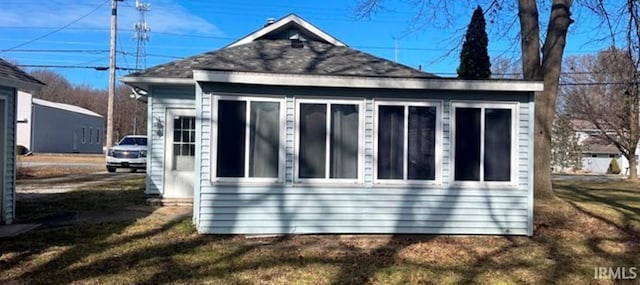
x,y
141,34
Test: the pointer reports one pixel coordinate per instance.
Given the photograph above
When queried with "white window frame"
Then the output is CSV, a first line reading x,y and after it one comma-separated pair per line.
x,y
214,140
515,125
327,180
438,144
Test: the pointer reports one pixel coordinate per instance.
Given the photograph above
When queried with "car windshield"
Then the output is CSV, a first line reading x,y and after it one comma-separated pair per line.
x,y
133,141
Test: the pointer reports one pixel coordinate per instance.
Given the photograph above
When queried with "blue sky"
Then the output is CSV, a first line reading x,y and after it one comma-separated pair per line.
x,y
32,33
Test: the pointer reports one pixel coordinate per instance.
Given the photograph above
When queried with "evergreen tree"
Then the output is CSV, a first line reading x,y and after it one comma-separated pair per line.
x,y
474,57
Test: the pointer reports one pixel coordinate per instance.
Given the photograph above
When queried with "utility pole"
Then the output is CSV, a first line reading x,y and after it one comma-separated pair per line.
x,y
141,35
112,72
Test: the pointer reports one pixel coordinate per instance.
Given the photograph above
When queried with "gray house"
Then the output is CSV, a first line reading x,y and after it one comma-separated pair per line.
x,y
288,130
11,80
45,126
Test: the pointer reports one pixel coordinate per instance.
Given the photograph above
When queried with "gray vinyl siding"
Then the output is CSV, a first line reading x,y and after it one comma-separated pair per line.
x,y
9,181
366,208
162,97
53,131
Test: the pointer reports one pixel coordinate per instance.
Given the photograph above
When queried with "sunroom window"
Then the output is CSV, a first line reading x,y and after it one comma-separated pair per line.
x,y
484,143
248,138
328,140
406,142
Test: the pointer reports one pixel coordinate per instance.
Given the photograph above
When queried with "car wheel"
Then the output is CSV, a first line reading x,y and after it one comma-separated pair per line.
x,y
111,169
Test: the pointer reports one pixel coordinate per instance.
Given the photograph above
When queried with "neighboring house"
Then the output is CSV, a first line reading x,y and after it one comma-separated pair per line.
x,y
12,79
288,130
45,126
596,154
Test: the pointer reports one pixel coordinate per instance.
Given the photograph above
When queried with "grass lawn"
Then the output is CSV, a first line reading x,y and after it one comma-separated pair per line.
x,y
594,224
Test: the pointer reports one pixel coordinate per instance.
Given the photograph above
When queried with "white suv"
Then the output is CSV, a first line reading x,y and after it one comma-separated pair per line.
x,y
130,152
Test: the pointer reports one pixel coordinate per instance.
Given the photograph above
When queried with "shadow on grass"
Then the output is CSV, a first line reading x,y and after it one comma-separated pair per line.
x,y
145,251
620,197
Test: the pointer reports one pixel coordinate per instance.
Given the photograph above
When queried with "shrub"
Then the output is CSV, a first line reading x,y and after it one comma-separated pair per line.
x,y
614,168
21,150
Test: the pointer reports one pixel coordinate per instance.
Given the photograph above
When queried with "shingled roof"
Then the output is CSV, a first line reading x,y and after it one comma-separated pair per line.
x,y
289,45
278,56
11,74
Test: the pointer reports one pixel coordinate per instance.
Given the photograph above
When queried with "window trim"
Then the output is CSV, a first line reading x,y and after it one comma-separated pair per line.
x,y
438,143
214,140
515,125
296,164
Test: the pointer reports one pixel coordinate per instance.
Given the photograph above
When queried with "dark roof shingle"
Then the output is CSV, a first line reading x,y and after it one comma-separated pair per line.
x,y
13,73
278,56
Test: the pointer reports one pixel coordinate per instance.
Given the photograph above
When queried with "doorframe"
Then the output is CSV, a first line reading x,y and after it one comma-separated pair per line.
x,y
168,144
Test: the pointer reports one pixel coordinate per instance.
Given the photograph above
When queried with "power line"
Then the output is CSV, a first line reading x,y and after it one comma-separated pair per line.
x,y
94,51
96,67
56,30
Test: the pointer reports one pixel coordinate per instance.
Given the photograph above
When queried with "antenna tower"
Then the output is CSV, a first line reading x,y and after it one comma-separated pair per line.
x,y
141,34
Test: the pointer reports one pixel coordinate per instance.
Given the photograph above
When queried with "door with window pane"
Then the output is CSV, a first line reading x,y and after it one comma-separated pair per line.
x,y
180,153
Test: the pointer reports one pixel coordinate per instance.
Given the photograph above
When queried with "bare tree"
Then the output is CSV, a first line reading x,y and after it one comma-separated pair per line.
x,y
565,149
505,68
57,87
603,90
539,63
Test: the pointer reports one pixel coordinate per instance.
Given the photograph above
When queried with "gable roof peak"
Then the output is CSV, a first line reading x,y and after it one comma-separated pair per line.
x,y
274,27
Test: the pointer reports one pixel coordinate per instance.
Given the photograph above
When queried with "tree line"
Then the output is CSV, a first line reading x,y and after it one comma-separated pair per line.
x,y
129,114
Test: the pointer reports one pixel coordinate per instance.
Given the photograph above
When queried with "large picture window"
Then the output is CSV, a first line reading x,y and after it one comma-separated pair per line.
x,y
248,135
485,142
407,147
328,140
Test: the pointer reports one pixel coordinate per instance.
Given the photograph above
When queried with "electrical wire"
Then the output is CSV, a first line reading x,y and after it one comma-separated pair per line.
x,y
56,30
99,68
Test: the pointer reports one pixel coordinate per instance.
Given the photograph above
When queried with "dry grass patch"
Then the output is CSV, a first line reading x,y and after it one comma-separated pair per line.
x,y
40,172
31,167
583,229
63,158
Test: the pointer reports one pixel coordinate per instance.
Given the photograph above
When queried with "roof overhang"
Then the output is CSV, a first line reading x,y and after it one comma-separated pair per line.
x,y
364,82
144,83
19,84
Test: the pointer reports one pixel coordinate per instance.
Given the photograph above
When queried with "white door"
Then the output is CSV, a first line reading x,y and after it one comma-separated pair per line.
x,y
180,149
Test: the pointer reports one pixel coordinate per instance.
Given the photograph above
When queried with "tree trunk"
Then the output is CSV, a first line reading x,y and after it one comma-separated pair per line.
x,y
547,70
633,170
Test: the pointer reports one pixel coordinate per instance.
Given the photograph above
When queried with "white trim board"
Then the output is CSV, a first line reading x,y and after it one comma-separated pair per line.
x,y
291,18
364,82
